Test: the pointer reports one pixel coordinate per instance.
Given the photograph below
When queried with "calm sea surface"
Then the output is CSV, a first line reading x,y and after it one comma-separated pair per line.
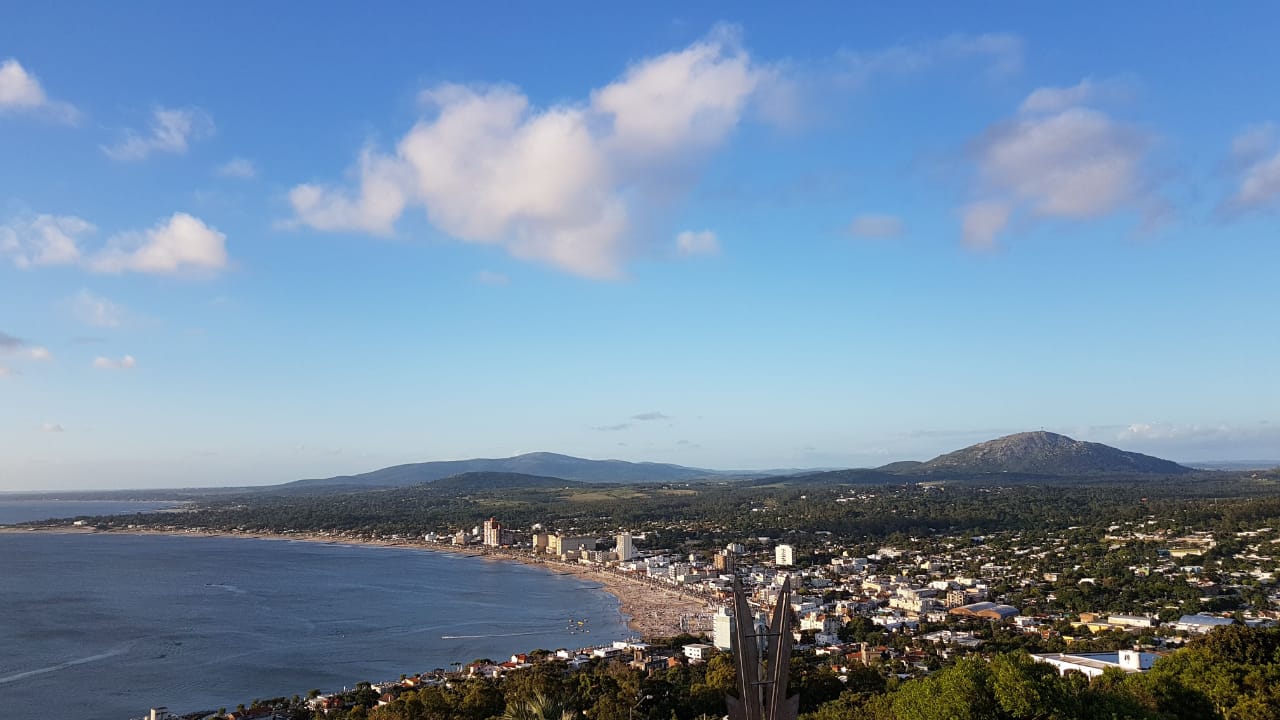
x,y
17,511
107,626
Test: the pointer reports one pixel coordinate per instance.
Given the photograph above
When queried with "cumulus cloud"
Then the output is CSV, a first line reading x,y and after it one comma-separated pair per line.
x,y
183,242
105,363
385,184
653,415
39,353
171,130
557,185
52,427
703,242
681,100
1256,159
9,343
95,310
20,91
1072,163
876,227
5,372
43,240
18,88
238,168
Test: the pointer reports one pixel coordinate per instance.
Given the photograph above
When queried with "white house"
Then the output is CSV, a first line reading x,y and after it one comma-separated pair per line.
x,y
1091,665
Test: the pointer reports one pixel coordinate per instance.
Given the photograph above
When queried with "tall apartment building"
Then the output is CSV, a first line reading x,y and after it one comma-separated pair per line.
x,y
784,556
722,629
625,550
492,533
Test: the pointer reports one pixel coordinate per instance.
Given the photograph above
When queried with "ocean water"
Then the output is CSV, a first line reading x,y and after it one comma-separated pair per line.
x,y
106,626
17,511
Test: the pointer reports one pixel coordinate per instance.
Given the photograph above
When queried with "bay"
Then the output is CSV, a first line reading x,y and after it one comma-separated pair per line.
x,y
105,626
19,511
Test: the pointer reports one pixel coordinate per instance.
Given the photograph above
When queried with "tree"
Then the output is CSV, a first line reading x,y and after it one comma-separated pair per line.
x,y
538,707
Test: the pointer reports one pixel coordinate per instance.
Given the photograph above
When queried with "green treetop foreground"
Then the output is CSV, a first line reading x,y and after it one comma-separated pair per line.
x,y
1231,674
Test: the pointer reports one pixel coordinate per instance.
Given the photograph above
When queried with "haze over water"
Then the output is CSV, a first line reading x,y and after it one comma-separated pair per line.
x,y
106,626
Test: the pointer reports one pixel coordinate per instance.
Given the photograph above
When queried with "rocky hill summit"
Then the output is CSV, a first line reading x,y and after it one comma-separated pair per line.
x,y
1046,453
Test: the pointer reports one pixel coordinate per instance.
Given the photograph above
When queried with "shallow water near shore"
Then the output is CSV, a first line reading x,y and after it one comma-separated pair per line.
x,y
107,626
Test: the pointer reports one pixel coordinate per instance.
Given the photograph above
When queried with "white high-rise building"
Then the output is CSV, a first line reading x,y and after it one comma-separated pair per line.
x,y
492,532
723,628
626,550
784,556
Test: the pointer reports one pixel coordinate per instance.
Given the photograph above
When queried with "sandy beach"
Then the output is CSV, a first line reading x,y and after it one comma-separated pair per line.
x,y
651,609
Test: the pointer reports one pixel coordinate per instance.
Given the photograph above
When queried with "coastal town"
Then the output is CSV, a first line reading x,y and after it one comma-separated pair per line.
x,y
904,610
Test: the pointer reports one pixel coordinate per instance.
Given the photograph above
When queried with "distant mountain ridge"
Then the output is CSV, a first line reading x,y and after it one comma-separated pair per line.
x,y
1030,453
1046,453
469,481
544,464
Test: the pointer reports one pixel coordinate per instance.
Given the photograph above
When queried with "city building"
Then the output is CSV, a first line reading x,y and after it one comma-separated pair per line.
x,y
699,652
784,556
1200,623
625,550
988,610
492,533
1092,665
722,629
569,546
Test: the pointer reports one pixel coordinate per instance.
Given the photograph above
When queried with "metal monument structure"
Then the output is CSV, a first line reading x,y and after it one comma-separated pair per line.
x,y
763,657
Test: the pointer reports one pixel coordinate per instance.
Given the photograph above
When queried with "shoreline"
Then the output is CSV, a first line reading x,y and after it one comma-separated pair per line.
x,y
648,608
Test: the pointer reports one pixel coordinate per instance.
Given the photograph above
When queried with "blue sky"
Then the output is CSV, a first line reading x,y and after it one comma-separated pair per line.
x,y
241,244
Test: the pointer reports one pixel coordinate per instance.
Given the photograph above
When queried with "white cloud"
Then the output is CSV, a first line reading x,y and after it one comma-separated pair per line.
x,y
171,130
239,168
21,91
555,185
681,100
1255,155
878,227
385,183
982,222
52,427
43,240
183,242
18,88
105,363
1076,164
1210,441
5,372
703,242
10,345
1056,99
96,310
